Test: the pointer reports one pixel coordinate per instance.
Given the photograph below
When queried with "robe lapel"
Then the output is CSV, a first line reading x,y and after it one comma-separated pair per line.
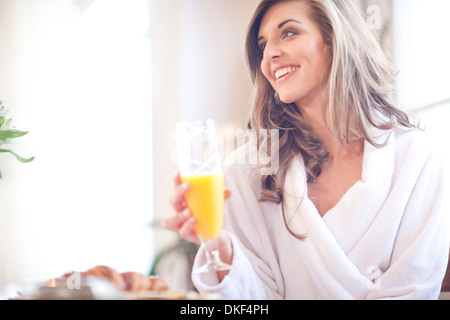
x,y
328,239
334,274
359,207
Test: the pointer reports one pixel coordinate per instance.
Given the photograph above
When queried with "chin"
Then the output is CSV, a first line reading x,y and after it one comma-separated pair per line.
x,y
287,99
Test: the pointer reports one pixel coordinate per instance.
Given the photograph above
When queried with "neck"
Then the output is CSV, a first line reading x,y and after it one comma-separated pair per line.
x,y
335,147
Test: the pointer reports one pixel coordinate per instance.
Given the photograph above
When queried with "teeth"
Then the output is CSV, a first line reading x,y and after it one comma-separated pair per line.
x,y
285,71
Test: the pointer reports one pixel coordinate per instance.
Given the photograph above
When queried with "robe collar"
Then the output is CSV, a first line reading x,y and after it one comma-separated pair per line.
x,y
329,239
350,218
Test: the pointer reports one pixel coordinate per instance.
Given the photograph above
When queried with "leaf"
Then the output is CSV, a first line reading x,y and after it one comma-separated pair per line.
x,y
11,134
23,160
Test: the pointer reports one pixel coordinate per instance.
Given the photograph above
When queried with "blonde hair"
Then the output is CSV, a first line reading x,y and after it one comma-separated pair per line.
x,y
359,91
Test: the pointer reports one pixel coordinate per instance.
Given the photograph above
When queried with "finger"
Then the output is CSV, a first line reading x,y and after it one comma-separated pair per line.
x,y
174,223
227,193
177,199
225,248
177,178
187,231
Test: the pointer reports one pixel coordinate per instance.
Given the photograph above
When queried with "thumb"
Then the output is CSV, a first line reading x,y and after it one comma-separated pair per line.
x,y
225,248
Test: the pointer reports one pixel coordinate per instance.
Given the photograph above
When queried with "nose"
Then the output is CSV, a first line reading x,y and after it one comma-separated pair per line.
x,y
272,51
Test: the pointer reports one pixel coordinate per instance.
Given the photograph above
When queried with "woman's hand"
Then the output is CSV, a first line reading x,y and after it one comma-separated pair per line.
x,y
184,223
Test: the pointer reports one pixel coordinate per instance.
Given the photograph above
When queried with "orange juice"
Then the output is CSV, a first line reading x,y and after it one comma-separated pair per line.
x,y
205,199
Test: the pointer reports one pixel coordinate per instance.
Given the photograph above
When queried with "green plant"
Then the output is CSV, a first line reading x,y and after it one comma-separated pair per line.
x,y
8,133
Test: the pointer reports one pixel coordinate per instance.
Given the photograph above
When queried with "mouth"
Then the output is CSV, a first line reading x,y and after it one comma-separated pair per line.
x,y
284,72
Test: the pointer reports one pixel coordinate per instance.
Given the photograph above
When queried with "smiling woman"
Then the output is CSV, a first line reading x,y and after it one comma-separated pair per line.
x,y
356,209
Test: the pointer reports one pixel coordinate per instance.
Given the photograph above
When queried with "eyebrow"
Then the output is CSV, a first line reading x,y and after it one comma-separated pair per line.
x,y
282,24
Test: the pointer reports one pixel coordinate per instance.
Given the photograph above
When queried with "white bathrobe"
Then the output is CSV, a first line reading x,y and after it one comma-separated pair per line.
x,y
387,238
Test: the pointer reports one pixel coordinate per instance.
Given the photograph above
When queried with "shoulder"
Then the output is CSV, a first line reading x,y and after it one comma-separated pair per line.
x,y
415,142
413,139
418,148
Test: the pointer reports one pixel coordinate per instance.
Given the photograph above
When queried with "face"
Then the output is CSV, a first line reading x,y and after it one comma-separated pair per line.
x,y
295,58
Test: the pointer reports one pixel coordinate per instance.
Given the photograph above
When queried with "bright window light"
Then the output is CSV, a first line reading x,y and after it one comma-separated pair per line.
x,y
87,198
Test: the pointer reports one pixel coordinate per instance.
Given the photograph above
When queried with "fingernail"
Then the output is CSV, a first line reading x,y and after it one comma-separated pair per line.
x,y
186,213
186,186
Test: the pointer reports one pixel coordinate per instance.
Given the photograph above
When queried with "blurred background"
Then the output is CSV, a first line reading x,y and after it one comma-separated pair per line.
x,y
100,84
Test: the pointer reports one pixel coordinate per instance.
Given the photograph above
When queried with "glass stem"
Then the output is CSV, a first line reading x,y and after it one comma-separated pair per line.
x,y
208,252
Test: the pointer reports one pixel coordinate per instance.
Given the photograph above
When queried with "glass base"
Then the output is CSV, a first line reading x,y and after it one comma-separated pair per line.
x,y
213,262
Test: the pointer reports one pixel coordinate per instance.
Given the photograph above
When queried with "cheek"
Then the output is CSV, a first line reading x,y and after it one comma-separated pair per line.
x,y
324,66
321,58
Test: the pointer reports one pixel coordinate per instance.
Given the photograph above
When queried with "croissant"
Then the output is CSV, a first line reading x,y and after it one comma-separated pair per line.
x,y
133,282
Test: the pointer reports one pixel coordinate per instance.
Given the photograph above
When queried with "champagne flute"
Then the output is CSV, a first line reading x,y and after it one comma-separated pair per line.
x,y
200,164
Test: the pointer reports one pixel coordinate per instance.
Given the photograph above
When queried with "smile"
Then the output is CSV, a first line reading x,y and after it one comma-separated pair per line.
x,y
284,71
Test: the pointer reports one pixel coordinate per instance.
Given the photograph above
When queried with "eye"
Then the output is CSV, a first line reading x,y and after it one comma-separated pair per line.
x,y
288,33
262,46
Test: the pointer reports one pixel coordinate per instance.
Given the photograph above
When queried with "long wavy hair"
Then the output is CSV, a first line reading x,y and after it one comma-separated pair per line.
x,y
359,91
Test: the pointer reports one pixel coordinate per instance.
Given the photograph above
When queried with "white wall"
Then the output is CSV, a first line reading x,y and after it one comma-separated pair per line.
x,y
422,51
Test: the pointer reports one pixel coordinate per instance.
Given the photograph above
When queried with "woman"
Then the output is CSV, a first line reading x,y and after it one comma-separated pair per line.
x,y
356,207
